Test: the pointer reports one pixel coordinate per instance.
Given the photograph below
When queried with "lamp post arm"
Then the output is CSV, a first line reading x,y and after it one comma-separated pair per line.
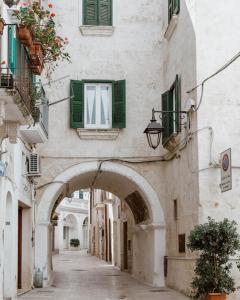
x,y
169,111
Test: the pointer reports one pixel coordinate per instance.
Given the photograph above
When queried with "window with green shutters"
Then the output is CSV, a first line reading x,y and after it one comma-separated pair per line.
x,y
173,8
97,104
171,101
97,12
12,48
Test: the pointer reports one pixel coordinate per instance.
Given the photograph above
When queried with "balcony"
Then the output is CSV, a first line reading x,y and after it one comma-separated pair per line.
x,y
24,100
38,132
16,81
18,104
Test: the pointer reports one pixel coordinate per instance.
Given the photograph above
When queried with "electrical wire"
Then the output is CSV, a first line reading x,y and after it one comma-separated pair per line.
x,y
225,66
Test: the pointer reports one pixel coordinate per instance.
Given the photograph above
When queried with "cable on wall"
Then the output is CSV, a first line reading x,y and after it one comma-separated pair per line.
x,y
225,66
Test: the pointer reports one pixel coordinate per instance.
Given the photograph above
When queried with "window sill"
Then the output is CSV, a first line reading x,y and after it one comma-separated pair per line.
x,y
171,27
97,30
98,134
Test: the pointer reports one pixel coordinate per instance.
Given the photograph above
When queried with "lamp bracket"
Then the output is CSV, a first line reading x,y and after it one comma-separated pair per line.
x,y
182,113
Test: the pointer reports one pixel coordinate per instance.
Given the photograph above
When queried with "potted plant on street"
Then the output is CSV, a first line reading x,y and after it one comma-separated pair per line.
x,y
75,243
216,243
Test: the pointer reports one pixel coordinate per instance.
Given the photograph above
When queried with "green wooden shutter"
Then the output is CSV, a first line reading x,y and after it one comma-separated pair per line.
x,y
177,86
119,104
170,10
165,117
90,12
105,12
76,104
171,116
12,48
176,8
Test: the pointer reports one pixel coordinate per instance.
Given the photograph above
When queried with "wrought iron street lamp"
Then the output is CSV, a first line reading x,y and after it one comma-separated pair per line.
x,y
154,132
155,129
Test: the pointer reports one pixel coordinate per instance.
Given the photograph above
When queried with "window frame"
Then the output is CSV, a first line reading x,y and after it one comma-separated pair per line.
x,y
98,124
84,23
77,106
173,104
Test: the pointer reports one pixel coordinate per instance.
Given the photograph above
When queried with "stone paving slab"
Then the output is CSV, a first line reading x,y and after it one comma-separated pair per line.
x,y
82,277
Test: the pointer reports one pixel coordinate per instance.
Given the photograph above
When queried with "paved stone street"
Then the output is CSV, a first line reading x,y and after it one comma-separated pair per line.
x,y
82,277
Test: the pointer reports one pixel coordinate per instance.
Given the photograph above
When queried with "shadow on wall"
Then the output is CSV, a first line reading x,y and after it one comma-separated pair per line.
x,y
181,58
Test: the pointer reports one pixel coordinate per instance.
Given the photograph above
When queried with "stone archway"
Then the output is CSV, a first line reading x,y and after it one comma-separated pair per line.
x,y
125,183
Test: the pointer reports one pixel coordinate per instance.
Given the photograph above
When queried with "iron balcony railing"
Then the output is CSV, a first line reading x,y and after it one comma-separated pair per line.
x,y
41,110
16,74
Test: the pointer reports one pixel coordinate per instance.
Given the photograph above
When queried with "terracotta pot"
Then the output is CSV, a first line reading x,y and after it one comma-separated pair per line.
x,y
216,296
25,36
1,26
36,54
37,69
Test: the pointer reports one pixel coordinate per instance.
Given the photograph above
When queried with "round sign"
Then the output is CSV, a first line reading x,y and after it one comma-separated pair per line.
x,y
225,162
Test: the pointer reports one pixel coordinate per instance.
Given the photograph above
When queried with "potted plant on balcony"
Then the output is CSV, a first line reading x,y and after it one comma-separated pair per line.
x,y
2,24
47,47
36,54
216,242
27,19
75,243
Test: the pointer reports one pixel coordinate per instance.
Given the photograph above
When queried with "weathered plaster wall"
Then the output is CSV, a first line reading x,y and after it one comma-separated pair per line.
x,y
217,44
131,53
181,175
138,52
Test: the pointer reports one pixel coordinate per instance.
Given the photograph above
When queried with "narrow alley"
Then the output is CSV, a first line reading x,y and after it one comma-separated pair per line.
x,y
83,277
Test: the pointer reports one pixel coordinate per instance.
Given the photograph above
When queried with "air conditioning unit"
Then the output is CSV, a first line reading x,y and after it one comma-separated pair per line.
x,y
34,165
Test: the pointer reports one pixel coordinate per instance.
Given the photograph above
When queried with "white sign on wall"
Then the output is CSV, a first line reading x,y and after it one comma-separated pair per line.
x,y
226,171
2,169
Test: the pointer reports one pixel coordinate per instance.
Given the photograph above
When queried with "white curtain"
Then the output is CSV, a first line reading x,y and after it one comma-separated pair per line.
x,y
91,105
105,105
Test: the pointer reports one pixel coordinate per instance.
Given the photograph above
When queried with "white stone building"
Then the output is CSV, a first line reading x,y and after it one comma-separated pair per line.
x,y
111,230
20,132
128,57
72,222
151,47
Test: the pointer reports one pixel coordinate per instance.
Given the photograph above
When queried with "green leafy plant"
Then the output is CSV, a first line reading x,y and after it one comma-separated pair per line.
x,y
216,242
74,243
41,22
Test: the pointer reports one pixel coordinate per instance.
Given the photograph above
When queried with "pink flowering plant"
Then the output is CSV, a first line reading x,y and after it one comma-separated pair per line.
x,y
41,22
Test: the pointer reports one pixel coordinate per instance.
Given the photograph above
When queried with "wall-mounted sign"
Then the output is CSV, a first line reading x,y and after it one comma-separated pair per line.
x,y
226,171
2,169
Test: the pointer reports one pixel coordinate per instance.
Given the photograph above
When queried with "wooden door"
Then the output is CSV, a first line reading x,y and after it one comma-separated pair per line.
x,y
19,247
110,240
106,232
125,246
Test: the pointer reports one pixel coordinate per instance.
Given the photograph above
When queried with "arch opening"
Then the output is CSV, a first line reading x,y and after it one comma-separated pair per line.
x,y
141,203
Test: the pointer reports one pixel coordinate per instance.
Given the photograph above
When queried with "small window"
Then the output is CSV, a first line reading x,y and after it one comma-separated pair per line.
x,y
97,12
182,243
80,195
171,101
173,8
97,105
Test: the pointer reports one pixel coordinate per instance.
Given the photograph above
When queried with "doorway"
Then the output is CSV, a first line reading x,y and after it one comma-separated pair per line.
x,y
125,246
19,282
